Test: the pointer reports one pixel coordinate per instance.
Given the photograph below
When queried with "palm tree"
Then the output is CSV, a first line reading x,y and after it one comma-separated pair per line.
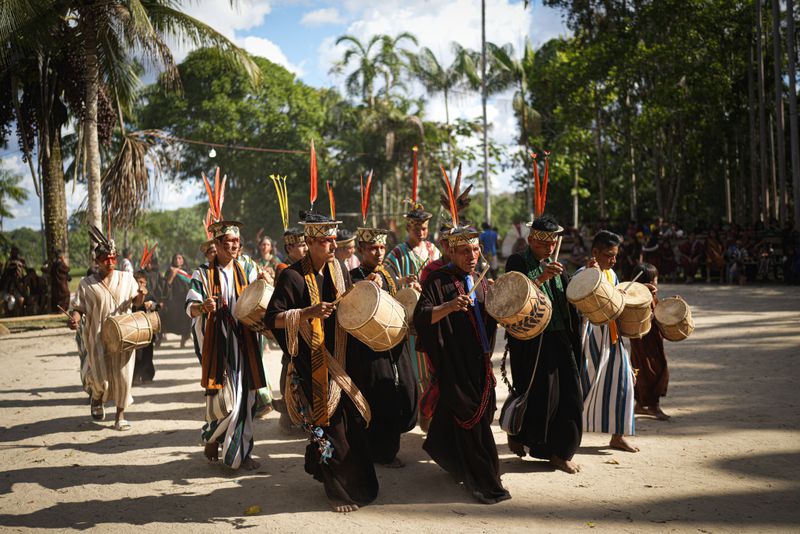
x,y
114,31
10,190
360,82
437,79
391,61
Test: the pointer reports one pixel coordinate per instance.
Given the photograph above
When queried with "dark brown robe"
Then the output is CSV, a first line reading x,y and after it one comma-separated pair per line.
x,y
460,437
349,475
387,381
648,357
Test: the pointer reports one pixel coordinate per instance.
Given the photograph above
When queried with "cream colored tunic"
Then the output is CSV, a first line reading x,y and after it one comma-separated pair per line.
x,y
105,376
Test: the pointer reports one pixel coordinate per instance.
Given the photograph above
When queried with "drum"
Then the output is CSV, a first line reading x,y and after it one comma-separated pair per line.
x,y
408,297
252,305
596,298
636,319
129,331
674,318
372,316
519,306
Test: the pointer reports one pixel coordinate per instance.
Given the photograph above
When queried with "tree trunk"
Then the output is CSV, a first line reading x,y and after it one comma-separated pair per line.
x,y
762,117
777,51
54,197
751,120
598,145
487,203
92,147
773,189
793,132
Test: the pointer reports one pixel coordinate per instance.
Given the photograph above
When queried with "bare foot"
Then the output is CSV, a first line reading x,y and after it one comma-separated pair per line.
x,y
516,447
342,507
250,464
396,463
568,466
620,443
656,412
639,409
212,451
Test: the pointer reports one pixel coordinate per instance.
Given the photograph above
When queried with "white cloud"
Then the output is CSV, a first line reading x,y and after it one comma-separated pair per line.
x,y
320,17
259,46
436,24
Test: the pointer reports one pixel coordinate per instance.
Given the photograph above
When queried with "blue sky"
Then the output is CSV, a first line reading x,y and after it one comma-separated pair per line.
x,y
300,35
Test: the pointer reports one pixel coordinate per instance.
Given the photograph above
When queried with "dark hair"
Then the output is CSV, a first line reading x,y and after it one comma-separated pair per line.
x,y
486,226
648,270
606,239
140,274
125,252
545,223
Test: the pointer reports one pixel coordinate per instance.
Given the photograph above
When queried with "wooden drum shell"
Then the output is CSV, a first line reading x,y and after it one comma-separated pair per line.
x,y
129,331
674,318
636,319
252,305
408,297
595,297
372,316
519,306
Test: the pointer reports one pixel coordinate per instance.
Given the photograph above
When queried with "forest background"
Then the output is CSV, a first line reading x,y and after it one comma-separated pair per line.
x,y
681,109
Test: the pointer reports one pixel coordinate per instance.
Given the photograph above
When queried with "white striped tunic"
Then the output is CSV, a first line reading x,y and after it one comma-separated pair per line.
x,y
607,379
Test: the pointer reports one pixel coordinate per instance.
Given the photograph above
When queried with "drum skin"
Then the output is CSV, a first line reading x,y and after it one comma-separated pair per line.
x,y
408,297
129,331
635,320
252,305
519,306
372,316
674,318
595,297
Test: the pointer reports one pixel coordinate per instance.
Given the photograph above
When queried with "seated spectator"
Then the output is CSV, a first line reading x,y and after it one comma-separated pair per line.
x,y
737,256
715,256
692,256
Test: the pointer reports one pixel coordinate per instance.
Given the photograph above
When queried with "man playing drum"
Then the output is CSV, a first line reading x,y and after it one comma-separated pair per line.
x,y
99,296
230,355
607,376
552,426
320,395
386,378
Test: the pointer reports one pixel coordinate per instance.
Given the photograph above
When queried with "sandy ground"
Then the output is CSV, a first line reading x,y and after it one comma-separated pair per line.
x,y
728,462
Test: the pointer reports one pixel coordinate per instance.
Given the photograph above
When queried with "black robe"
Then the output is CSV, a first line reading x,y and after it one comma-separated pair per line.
x,y
349,476
462,369
143,368
552,424
173,317
387,381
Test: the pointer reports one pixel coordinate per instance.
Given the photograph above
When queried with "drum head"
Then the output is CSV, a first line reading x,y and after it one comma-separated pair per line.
x,y
251,297
509,294
359,305
671,311
408,297
582,284
637,295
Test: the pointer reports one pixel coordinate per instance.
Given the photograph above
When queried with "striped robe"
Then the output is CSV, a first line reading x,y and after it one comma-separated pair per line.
x,y
404,261
607,378
230,411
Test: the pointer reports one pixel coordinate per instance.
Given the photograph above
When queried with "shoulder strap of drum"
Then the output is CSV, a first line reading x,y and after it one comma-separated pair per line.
x,y
504,374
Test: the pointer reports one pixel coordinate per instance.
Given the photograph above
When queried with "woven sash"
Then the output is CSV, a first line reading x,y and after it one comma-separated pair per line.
x,y
612,326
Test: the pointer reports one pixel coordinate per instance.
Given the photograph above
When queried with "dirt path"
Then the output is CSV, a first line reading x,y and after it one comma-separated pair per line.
x,y
729,461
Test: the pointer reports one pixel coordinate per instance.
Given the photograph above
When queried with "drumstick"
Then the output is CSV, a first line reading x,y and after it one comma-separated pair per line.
x,y
624,289
65,312
421,266
478,281
558,248
343,295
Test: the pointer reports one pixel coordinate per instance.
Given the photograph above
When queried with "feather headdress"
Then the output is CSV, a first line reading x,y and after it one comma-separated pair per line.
x,y
104,245
366,234
147,255
454,202
540,188
365,196
313,186
283,198
331,199
216,196
452,199
417,212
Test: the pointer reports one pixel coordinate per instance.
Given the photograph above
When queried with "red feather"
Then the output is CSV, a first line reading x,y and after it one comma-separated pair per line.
x,y
210,196
313,188
367,196
216,190
415,179
536,195
143,261
450,197
362,190
331,199
546,176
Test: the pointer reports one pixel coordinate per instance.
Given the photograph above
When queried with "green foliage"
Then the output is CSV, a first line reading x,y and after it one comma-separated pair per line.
x,y
10,191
